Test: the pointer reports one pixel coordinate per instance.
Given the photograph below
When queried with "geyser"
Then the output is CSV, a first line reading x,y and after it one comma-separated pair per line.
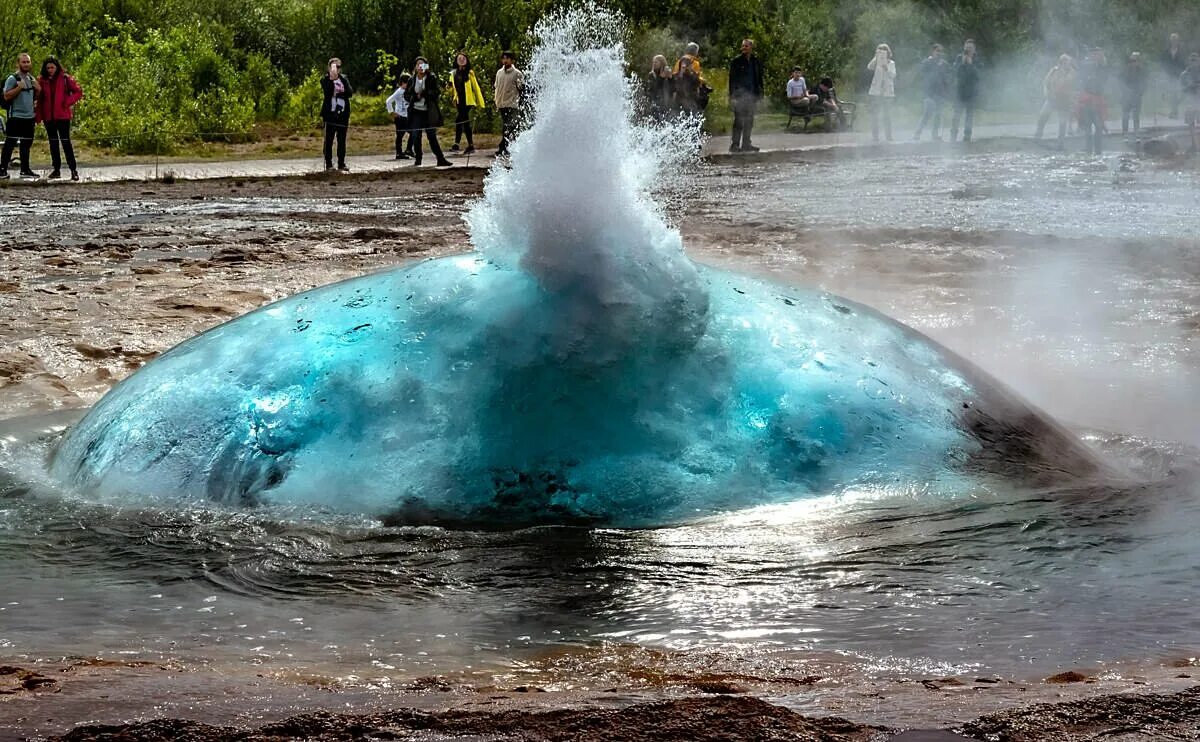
x,y
578,368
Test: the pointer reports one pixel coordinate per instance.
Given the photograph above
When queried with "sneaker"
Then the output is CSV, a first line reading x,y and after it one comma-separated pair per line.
x,y
749,148
54,175
3,175
75,175
470,150
30,175
343,168
444,163
454,148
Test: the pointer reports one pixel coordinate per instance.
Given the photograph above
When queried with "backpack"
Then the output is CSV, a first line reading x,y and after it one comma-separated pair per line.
x,y
702,95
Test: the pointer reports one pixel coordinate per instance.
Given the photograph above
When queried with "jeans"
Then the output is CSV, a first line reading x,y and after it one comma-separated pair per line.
x,y
335,130
19,134
932,115
743,120
419,120
462,124
1064,117
962,107
402,128
881,106
508,119
1131,107
59,132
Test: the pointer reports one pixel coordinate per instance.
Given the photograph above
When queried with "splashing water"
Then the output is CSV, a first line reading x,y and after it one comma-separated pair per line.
x,y
578,369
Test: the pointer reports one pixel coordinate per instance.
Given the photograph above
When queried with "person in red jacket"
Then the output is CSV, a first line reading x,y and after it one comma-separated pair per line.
x,y
59,94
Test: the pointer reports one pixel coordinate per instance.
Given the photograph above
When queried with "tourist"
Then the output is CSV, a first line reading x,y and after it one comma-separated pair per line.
x,y
745,90
690,58
828,103
687,82
1189,88
967,74
1133,87
397,107
1058,89
467,95
335,111
19,91
423,113
1172,63
53,107
509,82
1091,108
934,74
660,88
798,94
882,91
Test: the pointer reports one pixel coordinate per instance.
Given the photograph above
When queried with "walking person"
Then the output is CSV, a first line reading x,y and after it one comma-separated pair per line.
x,y
19,91
1058,90
745,90
467,95
1133,87
967,73
397,107
934,74
509,81
335,112
1092,110
59,93
1189,90
424,92
882,91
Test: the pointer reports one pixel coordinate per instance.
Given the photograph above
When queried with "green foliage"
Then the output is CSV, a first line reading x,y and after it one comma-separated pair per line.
x,y
303,108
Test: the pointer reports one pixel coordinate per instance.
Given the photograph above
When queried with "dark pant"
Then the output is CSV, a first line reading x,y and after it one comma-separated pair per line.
x,y
19,134
931,114
420,123
403,127
462,123
335,129
1131,107
743,120
508,119
964,110
60,132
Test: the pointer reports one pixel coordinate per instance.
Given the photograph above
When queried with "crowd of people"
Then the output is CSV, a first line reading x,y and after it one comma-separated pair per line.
x,y
1077,93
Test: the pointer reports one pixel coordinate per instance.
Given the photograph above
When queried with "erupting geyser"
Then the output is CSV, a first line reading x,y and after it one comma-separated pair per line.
x,y
578,368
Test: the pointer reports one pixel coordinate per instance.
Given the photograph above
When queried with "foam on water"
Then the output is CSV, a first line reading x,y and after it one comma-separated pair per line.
x,y
579,368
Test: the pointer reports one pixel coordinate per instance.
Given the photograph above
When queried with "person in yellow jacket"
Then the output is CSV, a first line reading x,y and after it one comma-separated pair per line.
x,y
467,95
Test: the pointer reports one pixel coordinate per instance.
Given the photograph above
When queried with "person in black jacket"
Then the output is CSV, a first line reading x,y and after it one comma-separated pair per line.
x,y
1172,63
335,112
745,90
967,74
424,116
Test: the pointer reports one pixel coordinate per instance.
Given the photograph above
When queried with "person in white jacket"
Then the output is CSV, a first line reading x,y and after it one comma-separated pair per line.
x,y
397,106
883,90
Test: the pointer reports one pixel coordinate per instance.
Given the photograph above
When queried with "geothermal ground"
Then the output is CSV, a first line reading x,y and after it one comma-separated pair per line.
x,y
98,279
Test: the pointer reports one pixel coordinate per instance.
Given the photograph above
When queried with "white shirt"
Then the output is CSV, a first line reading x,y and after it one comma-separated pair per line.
x,y
396,104
418,84
796,88
883,82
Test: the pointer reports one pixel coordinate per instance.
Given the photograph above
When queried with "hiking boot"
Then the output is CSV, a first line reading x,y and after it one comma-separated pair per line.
x,y
454,147
749,148
75,175
470,150
444,163
343,168
54,175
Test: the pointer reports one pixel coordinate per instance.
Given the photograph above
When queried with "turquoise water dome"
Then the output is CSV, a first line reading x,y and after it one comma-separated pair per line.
x,y
576,368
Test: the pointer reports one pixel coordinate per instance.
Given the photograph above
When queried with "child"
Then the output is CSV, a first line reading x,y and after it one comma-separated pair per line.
x,y
397,106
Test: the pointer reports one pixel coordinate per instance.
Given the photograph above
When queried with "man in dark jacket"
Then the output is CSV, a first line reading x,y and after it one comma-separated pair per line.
x,y
745,90
1173,62
335,112
967,74
935,82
